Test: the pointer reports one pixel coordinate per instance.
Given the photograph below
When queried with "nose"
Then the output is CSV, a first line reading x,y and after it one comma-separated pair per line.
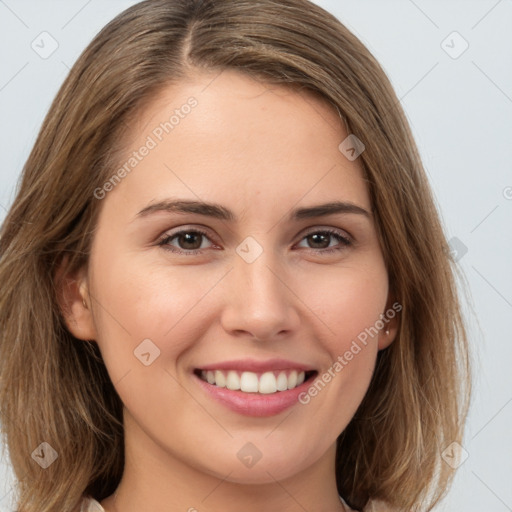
x,y
259,303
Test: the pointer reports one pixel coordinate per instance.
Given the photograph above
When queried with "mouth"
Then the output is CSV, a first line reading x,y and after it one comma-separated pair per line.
x,y
253,388
264,383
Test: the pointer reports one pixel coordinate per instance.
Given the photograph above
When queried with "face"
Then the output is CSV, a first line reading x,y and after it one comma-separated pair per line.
x,y
263,289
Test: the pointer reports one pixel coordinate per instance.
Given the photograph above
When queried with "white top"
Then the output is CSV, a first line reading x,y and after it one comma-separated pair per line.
x,y
91,505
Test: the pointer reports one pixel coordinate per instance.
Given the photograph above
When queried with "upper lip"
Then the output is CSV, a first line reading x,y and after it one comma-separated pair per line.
x,y
257,366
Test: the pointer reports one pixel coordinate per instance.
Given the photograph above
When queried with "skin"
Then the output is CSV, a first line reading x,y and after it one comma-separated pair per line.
x,y
261,151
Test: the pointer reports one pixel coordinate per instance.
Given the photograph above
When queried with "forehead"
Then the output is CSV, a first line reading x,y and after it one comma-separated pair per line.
x,y
231,138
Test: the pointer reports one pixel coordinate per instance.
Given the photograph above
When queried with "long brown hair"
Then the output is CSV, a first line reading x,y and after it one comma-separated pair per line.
x,y
55,388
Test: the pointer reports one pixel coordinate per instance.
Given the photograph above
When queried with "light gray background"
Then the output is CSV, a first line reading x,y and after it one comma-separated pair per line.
x,y
460,110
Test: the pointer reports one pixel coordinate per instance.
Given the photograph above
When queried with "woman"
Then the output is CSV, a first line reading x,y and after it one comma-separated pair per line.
x,y
225,282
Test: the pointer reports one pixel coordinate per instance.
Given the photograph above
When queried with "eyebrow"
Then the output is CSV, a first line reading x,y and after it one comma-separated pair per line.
x,y
217,211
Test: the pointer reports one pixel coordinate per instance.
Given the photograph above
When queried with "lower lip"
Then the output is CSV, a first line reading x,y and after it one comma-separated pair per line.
x,y
254,404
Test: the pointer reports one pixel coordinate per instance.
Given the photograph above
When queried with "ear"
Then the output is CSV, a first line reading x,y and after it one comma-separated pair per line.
x,y
390,319
75,302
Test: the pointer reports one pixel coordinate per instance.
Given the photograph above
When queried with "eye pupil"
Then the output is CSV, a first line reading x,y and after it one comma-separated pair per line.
x,y
316,237
189,239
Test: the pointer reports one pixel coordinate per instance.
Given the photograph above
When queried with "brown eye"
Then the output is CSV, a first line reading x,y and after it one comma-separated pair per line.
x,y
321,241
186,241
189,240
318,240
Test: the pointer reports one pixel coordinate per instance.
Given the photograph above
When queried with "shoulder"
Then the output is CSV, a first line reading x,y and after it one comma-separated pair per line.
x,y
89,504
378,506
372,506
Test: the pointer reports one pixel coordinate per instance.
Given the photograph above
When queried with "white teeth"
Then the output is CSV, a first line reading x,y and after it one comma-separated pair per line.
x,y
250,382
233,381
220,380
267,383
292,380
282,382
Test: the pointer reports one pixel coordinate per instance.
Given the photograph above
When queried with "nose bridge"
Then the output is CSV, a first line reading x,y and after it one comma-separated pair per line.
x,y
259,279
260,303
255,275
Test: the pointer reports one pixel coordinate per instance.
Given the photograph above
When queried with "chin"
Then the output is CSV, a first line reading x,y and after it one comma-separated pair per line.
x,y
266,464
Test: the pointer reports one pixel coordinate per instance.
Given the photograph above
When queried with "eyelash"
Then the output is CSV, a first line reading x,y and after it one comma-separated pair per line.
x,y
344,241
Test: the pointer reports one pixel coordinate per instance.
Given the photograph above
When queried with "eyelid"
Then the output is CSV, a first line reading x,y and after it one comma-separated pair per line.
x,y
329,229
166,235
186,228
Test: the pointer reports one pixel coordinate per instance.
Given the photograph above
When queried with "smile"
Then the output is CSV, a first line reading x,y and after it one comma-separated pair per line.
x,y
255,388
251,382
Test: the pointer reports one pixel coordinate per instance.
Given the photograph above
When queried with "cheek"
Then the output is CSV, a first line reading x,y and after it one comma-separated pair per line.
x,y
136,301
347,301
347,307
146,321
